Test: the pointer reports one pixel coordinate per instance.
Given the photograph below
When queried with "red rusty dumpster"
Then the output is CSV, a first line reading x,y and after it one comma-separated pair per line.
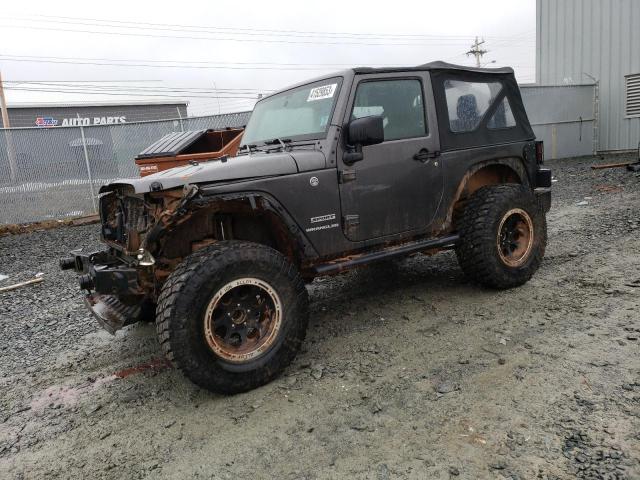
x,y
179,148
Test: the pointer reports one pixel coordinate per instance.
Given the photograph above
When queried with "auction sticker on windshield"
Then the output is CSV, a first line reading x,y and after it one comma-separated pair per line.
x,y
320,93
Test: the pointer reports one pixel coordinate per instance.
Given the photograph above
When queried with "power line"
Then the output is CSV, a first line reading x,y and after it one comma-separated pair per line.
x,y
81,81
227,39
152,65
101,62
108,62
130,94
195,61
208,64
141,88
234,30
131,89
160,64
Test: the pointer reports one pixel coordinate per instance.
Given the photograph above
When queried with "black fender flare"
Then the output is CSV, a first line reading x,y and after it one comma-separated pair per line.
x,y
514,163
266,201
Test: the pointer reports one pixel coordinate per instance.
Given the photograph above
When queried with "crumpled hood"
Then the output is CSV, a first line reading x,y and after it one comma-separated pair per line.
x,y
236,168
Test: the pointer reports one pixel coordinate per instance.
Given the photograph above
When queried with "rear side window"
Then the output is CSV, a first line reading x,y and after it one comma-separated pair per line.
x,y
400,104
503,116
467,102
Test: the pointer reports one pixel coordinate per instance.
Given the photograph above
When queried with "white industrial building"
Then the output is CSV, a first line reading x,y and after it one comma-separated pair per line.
x,y
595,41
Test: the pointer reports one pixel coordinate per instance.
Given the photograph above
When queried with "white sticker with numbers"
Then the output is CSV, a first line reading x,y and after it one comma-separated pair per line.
x,y
320,93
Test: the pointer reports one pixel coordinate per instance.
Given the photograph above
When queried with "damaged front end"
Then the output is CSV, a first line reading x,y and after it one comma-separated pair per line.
x,y
122,282
115,295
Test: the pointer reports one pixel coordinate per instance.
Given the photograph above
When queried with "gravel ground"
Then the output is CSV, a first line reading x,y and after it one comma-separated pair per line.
x,y
408,370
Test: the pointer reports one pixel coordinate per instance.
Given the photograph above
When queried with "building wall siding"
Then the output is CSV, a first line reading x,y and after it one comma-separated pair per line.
x,y
596,37
26,117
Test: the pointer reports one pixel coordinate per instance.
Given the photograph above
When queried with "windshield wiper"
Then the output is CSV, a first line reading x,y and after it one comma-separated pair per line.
x,y
249,148
276,141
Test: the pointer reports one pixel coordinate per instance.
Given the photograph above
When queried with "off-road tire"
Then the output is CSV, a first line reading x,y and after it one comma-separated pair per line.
x,y
478,250
182,307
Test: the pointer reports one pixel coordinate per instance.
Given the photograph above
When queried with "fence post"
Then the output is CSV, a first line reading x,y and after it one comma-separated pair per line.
x,y
180,117
86,161
11,155
596,116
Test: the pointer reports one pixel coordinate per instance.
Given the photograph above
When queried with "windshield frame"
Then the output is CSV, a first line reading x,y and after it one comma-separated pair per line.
x,y
308,136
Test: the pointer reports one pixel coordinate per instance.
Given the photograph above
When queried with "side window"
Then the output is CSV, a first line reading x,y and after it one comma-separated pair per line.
x,y
398,102
467,102
503,117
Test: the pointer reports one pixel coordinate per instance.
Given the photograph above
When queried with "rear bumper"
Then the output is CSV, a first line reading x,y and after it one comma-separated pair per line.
x,y
543,188
543,195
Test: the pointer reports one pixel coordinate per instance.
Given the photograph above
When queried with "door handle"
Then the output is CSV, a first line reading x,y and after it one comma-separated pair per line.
x,y
424,155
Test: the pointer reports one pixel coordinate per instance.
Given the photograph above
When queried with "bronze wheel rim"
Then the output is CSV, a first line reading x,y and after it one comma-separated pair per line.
x,y
515,237
242,320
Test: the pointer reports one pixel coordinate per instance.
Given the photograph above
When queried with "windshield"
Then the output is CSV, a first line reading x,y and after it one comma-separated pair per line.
x,y
302,113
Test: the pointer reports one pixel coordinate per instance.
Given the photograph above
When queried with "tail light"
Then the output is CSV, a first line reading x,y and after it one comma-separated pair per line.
x,y
539,152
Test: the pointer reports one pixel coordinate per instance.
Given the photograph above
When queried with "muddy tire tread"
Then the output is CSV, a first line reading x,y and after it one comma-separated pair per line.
x,y
194,269
476,252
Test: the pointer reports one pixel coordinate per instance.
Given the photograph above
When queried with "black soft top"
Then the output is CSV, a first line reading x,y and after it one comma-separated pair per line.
x,y
441,72
435,66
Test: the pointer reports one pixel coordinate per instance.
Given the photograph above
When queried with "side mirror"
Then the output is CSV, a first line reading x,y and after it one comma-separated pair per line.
x,y
366,131
360,133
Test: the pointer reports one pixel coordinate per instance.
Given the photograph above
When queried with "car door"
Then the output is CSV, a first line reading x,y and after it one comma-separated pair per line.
x,y
397,186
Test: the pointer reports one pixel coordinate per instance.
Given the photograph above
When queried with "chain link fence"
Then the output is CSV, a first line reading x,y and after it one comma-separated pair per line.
x,y
55,173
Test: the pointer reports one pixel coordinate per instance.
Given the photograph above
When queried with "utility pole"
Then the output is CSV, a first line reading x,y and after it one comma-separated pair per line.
x,y
215,92
476,51
11,154
3,106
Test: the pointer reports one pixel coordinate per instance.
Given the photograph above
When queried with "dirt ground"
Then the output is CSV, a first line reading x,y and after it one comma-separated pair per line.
x,y
408,371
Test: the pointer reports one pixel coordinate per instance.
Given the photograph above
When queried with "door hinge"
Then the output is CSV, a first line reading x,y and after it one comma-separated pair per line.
x,y
351,223
346,176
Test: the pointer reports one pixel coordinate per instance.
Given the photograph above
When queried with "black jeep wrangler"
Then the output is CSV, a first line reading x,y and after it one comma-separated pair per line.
x,y
352,168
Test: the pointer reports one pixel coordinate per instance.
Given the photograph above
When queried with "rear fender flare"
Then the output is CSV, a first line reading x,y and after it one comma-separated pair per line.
x,y
514,164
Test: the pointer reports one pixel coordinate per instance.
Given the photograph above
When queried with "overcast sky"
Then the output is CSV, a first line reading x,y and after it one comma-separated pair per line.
x,y
220,55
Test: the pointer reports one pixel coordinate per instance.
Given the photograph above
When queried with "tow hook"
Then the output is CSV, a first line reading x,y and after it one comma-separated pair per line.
x,y
145,259
86,282
67,263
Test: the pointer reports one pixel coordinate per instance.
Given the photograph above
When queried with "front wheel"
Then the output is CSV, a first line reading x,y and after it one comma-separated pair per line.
x,y
232,316
503,236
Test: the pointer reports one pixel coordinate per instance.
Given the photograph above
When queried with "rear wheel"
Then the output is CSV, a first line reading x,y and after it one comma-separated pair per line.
x,y
503,235
232,316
